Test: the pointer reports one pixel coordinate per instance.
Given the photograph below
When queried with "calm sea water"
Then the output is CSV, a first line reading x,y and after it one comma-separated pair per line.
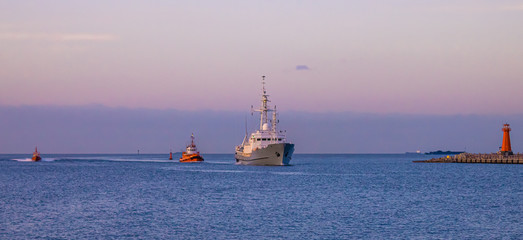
x,y
345,196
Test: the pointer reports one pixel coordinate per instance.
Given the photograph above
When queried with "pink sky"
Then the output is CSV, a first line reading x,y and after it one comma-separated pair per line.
x,y
438,57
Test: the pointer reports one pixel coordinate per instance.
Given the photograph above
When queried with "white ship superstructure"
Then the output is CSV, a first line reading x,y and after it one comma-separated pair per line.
x,y
266,146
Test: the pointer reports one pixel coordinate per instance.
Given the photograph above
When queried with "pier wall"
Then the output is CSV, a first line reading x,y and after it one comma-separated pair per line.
x,y
478,158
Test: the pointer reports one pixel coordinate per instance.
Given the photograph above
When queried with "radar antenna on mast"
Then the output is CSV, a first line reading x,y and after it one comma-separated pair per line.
x,y
264,107
263,85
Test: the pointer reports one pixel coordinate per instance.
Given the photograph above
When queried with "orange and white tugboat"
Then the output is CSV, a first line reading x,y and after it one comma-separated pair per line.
x,y
191,154
36,155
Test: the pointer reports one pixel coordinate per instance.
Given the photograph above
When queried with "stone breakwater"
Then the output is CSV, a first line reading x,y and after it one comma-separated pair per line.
x,y
478,158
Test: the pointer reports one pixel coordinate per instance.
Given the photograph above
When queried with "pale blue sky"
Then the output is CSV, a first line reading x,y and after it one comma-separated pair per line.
x,y
416,57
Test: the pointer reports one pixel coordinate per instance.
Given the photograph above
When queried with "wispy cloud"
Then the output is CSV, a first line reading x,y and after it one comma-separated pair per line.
x,y
87,37
5,26
518,7
302,67
480,8
66,37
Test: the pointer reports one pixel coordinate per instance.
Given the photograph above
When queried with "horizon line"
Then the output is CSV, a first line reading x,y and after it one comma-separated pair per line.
x,y
167,153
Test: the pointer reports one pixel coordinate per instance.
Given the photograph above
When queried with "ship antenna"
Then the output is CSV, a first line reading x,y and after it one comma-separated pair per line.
x,y
246,126
263,85
274,119
245,138
263,108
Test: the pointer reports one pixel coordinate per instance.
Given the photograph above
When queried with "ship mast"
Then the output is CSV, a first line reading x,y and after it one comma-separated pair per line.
x,y
274,119
264,109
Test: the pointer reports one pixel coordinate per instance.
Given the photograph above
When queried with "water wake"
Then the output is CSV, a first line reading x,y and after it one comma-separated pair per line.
x,y
94,159
208,170
220,162
132,160
113,159
31,160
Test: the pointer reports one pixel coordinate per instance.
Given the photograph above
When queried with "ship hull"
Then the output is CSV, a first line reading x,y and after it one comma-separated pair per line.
x,y
191,158
36,159
278,154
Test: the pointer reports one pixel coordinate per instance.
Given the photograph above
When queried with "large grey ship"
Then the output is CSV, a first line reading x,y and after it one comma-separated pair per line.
x,y
266,146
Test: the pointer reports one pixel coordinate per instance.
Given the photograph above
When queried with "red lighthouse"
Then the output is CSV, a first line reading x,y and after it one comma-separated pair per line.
x,y
506,149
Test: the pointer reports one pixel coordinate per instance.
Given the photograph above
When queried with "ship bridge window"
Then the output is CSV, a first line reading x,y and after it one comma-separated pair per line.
x,y
258,139
279,139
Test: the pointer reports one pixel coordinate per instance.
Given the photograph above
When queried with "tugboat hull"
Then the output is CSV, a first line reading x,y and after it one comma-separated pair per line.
x,y
191,158
279,154
36,155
